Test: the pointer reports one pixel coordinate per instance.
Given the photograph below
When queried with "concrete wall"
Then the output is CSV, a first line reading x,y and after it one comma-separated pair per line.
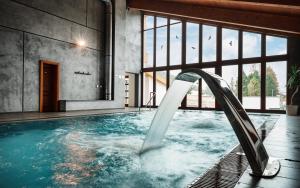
x,y
34,30
127,57
11,70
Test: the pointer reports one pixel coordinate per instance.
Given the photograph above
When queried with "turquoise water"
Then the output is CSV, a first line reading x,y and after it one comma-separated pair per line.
x,y
102,151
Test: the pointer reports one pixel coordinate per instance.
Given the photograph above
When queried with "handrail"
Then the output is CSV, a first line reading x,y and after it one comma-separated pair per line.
x,y
148,104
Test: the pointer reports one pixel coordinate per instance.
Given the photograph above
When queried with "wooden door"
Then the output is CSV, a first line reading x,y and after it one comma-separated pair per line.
x,y
49,86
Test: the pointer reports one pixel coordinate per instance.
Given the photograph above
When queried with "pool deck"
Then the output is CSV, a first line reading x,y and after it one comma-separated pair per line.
x,y
283,142
31,116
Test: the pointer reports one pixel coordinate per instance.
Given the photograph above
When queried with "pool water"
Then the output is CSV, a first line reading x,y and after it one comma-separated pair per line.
x,y
103,151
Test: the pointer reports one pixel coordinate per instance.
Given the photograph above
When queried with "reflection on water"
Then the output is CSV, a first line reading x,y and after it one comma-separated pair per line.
x,y
103,151
76,168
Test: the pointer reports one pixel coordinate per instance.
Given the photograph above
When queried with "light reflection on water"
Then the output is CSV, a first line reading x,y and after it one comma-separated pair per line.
x,y
103,150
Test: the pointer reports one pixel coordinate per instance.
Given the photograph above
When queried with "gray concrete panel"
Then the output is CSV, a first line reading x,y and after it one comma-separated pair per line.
x,y
133,41
71,59
96,14
74,10
17,16
11,70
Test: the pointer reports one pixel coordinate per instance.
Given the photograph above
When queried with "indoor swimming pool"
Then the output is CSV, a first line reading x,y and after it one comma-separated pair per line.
x,y
103,151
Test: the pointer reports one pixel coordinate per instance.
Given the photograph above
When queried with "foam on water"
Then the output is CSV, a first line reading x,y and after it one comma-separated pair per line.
x,y
103,151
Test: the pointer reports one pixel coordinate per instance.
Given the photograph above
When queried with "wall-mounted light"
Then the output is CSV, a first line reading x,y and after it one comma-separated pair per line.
x,y
81,43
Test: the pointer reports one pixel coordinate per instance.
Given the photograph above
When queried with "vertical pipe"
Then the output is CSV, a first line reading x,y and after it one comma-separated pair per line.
x,y
108,50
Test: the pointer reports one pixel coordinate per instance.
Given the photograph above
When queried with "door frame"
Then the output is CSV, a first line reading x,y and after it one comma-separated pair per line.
x,y
57,78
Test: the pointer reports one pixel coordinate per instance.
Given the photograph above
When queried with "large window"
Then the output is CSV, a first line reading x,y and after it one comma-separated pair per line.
x,y
208,99
251,45
147,88
251,86
230,75
192,98
276,85
229,44
276,45
161,85
192,43
209,43
148,46
253,64
161,46
175,42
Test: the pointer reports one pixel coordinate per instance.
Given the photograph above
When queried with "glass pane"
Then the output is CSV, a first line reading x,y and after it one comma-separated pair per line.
x,y
251,86
276,45
174,21
147,87
230,44
148,22
192,99
161,46
161,85
208,98
251,45
192,43
230,75
175,44
276,85
148,48
173,74
161,21
209,43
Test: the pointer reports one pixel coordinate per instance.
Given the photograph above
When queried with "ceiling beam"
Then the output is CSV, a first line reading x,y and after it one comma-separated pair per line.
x,y
279,2
269,18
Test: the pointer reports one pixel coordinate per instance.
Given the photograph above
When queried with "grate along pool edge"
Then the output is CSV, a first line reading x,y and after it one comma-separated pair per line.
x,y
227,172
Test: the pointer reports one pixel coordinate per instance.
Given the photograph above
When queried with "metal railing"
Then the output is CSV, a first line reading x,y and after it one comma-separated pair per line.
x,y
152,95
148,104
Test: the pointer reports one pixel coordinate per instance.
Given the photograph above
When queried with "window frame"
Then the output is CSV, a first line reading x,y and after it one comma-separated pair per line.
x,y
217,65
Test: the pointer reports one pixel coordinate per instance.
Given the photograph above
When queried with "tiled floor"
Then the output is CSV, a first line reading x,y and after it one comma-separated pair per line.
x,y
283,143
13,117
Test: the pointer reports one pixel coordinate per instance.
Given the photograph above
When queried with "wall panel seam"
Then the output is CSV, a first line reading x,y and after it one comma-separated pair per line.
x,y
23,4
26,32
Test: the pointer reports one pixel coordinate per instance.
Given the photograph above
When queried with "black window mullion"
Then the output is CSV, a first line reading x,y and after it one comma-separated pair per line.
x,y
183,44
263,74
219,44
218,69
142,62
200,43
240,67
183,56
200,61
154,62
168,52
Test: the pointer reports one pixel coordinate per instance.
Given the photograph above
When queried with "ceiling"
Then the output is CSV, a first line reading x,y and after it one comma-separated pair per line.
x,y
268,16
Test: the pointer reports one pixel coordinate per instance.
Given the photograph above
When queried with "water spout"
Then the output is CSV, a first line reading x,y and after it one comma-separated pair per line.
x,y
245,131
